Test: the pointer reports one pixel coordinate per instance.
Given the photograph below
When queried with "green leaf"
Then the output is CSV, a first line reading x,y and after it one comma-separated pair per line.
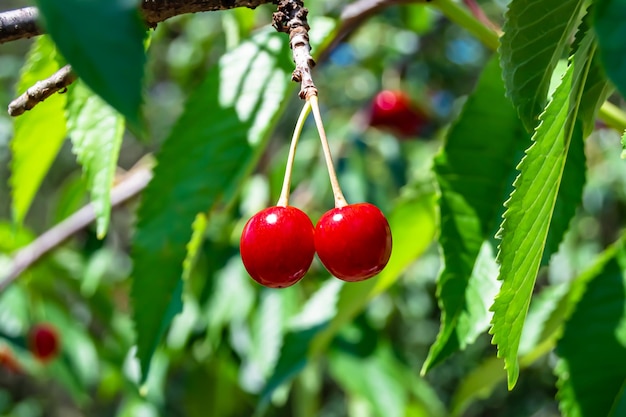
x,y
267,328
623,142
292,360
214,144
597,90
473,171
529,210
39,133
478,384
378,378
610,26
619,406
591,368
96,131
104,42
303,328
543,326
199,227
570,194
529,54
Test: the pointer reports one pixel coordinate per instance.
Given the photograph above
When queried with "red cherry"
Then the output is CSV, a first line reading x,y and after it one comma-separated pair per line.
x,y
353,242
8,360
393,110
277,246
44,342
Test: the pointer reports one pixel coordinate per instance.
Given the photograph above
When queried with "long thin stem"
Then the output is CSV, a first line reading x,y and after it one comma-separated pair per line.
x,y
283,200
466,20
340,200
613,116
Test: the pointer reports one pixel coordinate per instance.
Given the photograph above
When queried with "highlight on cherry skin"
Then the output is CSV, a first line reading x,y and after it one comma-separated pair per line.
x,y
277,246
354,241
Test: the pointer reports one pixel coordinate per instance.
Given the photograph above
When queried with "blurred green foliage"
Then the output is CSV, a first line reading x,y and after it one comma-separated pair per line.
x,y
322,348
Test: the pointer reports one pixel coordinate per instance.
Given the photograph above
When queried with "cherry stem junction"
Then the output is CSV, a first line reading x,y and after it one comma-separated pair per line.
x,y
283,200
340,200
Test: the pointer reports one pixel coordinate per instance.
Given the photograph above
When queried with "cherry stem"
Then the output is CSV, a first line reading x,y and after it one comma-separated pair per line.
x,y
340,200
283,200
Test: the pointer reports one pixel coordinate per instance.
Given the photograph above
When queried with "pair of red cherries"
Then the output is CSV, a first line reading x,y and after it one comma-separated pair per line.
x,y
278,244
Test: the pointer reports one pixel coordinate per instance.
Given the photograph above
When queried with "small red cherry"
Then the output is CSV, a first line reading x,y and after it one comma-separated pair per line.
x,y
393,110
44,342
8,360
277,246
353,242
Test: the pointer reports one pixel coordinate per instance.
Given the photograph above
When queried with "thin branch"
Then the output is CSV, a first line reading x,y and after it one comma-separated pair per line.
x,y
354,14
42,90
130,186
156,11
291,18
24,23
479,14
19,24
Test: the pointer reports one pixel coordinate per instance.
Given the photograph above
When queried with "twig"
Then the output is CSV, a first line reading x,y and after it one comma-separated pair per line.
x,y
19,24
130,186
291,18
24,23
42,90
354,14
479,14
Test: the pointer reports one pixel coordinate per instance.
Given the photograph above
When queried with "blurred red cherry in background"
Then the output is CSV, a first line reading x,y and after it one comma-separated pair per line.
x,y
8,361
393,110
43,342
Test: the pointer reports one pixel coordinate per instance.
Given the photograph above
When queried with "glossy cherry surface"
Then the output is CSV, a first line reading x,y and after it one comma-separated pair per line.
x,y
44,342
393,110
353,242
277,246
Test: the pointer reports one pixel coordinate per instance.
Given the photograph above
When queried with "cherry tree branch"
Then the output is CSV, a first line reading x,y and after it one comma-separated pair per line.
x,y
42,90
291,18
25,23
129,187
19,24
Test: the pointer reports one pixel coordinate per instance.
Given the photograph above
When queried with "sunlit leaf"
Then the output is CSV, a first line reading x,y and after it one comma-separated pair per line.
x,y
96,131
474,171
104,42
213,145
529,55
529,210
569,196
39,133
377,378
302,329
198,227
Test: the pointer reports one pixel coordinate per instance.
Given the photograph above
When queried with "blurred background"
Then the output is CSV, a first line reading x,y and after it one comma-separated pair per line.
x,y
388,92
